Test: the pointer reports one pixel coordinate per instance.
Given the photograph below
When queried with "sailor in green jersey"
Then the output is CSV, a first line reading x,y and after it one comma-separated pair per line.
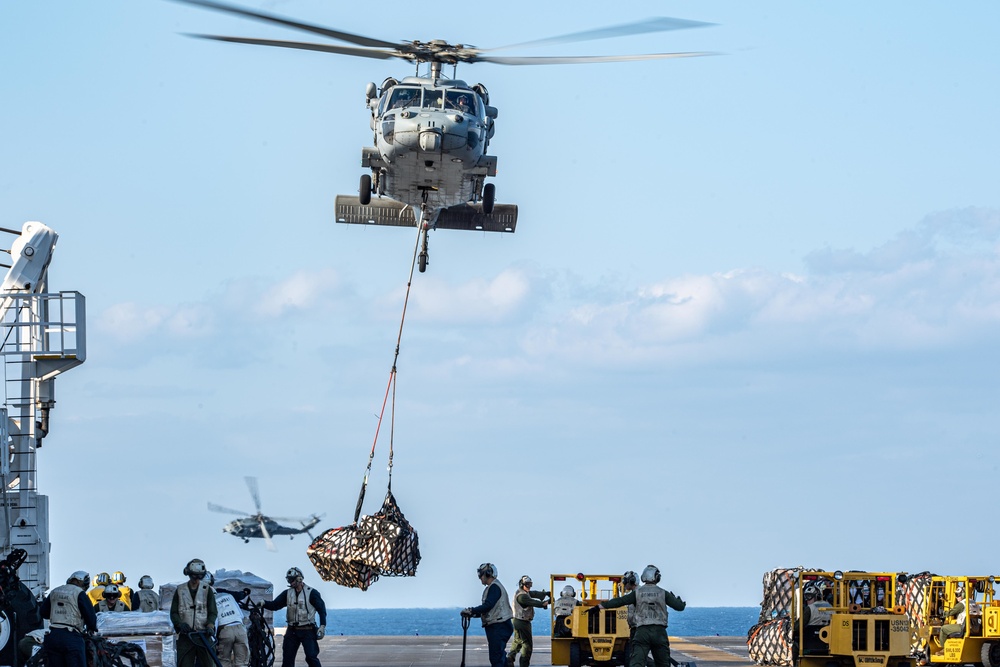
x,y
524,604
651,604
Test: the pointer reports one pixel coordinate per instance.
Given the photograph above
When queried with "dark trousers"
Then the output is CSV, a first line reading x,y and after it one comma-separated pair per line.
x,y
192,650
497,635
650,639
295,637
65,648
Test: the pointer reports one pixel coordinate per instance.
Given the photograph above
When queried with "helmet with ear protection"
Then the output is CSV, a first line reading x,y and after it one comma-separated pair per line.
x,y
487,570
195,568
651,575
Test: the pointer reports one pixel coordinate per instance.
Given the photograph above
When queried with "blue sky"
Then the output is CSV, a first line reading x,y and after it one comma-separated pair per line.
x,y
748,319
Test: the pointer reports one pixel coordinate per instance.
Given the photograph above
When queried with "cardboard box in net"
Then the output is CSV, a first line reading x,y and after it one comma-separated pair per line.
x,y
151,631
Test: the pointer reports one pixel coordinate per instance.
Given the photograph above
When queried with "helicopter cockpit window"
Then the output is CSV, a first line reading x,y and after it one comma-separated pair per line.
x,y
432,99
404,97
460,100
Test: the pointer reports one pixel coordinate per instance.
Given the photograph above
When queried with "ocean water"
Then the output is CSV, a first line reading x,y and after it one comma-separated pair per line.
x,y
692,622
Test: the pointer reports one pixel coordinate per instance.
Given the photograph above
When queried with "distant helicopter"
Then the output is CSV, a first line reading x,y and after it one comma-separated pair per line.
x,y
429,162
258,525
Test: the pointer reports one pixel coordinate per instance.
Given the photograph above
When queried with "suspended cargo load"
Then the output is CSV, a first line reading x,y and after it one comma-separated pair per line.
x,y
383,544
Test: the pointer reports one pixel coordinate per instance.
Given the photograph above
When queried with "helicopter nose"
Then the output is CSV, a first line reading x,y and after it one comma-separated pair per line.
x,y
430,141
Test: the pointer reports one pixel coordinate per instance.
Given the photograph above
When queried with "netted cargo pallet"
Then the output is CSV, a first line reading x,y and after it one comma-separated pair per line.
x,y
383,544
912,595
770,643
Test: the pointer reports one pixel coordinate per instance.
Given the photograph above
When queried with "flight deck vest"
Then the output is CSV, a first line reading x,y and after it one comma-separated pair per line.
x,y
564,606
149,600
820,613
229,611
65,608
522,612
193,610
501,611
960,619
298,608
104,605
650,605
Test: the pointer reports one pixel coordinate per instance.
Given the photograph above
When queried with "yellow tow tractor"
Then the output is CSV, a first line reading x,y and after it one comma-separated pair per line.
x,y
972,636
832,619
583,638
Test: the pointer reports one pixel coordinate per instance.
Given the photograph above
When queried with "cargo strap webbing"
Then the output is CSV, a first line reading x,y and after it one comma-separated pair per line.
x,y
383,544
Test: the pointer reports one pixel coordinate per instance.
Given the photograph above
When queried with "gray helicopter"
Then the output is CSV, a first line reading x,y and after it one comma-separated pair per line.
x,y
429,162
260,526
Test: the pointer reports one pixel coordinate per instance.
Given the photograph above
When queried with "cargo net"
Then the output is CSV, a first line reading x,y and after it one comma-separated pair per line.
x,y
770,641
383,544
912,595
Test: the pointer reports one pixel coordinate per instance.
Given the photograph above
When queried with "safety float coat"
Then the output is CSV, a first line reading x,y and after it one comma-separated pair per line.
x,y
193,610
299,610
65,608
650,605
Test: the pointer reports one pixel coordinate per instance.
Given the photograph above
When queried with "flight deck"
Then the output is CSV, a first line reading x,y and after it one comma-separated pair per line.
x,y
412,651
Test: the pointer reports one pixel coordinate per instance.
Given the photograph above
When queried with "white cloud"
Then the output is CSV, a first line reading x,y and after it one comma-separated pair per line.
x,y
300,291
472,302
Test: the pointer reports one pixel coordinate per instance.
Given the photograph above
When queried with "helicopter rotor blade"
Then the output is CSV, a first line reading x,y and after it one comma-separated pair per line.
x,y
576,60
267,536
225,510
657,24
304,46
351,38
254,492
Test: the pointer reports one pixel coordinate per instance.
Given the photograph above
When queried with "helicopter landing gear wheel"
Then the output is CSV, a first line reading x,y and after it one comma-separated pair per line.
x,y
365,190
422,257
489,197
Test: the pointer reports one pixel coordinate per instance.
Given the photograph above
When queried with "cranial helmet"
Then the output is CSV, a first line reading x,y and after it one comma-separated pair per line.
x,y
810,592
118,578
487,570
145,581
567,592
525,581
111,591
294,574
196,568
103,579
79,578
651,575
628,579
960,592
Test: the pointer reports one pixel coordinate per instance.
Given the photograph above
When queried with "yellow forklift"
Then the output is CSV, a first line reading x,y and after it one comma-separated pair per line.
x,y
832,619
580,637
971,636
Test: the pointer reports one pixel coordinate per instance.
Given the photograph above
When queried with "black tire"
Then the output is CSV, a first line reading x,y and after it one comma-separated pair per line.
x,y
421,262
365,191
489,197
574,654
990,654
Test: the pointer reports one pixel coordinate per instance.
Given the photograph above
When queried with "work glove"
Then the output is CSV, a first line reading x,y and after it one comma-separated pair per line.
x,y
320,632
594,610
467,611
183,628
